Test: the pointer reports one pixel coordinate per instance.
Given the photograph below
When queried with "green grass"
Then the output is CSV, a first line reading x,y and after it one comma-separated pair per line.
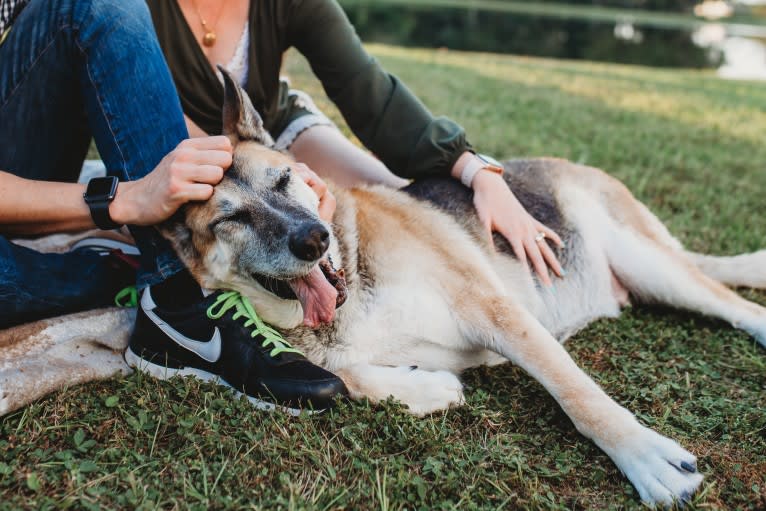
x,y
691,146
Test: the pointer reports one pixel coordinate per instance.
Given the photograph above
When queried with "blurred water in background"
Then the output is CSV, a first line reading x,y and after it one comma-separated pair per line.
x,y
737,50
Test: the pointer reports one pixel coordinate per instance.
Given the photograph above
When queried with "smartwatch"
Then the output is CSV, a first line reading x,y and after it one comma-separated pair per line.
x,y
479,162
99,194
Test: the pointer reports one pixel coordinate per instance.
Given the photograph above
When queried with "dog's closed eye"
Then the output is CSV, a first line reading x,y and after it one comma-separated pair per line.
x,y
283,180
240,216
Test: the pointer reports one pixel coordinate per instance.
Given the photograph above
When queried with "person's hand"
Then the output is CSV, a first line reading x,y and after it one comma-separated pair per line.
x,y
188,173
326,198
499,210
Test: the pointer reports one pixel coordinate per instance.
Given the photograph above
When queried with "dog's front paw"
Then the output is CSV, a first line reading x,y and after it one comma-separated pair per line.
x,y
662,471
422,391
428,391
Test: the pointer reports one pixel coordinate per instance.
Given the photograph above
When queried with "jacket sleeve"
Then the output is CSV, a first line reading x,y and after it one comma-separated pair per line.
x,y
380,110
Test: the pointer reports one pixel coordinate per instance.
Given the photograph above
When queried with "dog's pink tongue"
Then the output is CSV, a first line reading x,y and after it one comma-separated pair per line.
x,y
317,296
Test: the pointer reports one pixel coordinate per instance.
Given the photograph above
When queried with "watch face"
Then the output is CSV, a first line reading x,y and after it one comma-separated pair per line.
x,y
101,189
488,159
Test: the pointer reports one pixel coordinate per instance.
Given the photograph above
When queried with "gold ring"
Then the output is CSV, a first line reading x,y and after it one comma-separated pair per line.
x,y
540,237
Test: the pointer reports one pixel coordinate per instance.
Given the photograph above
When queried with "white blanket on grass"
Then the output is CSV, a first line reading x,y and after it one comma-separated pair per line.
x,y
42,357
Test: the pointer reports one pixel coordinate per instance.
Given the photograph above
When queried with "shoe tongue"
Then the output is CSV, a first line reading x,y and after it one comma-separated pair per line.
x,y
317,296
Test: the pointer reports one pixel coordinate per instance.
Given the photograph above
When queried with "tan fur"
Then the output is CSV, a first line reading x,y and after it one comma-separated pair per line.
x,y
409,221
618,199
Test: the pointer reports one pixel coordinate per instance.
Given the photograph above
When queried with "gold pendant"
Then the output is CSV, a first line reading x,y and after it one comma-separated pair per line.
x,y
208,39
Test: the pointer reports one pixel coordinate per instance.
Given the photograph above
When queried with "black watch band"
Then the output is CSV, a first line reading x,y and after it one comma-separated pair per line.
x,y
99,211
99,195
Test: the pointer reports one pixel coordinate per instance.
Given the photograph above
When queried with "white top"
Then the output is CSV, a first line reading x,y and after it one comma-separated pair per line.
x,y
239,64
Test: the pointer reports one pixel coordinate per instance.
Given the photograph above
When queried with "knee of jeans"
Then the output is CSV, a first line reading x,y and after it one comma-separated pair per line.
x,y
95,17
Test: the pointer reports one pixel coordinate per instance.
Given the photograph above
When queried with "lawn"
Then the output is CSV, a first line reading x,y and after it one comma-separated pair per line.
x,y
688,144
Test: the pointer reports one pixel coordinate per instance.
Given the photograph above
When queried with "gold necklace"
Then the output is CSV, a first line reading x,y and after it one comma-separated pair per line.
x,y
209,37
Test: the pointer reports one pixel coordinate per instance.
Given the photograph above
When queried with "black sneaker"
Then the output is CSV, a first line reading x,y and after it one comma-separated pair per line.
x,y
222,338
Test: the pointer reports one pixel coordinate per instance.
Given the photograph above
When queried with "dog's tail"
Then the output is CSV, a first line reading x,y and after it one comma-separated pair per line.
x,y
744,270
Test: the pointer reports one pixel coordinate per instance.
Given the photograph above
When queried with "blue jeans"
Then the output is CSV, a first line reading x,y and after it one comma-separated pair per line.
x,y
71,70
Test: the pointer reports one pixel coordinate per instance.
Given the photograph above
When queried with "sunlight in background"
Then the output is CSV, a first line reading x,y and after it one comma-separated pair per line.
x,y
744,58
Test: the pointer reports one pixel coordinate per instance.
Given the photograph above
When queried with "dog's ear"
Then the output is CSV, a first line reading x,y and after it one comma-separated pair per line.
x,y
240,119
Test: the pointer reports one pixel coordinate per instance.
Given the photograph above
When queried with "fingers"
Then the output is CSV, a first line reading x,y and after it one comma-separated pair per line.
x,y
218,158
486,222
327,207
216,143
195,192
547,252
207,174
550,258
216,151
314,181
538,253
538,262
327,201
550,234
519,250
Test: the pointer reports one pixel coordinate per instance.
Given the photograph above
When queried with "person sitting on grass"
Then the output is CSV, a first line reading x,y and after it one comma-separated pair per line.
x,y
76,68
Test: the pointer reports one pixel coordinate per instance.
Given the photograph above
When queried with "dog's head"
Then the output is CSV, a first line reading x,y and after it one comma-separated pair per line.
x,y
260,232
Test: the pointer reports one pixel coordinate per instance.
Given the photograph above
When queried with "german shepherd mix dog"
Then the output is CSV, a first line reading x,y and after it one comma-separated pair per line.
x,y
427,296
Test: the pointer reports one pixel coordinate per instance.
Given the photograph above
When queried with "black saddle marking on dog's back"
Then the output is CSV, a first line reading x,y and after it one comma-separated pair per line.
x,y
528,180
531,184
446,193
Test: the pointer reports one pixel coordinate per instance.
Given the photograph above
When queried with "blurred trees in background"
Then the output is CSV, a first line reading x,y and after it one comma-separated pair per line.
x,y
497,32
652,5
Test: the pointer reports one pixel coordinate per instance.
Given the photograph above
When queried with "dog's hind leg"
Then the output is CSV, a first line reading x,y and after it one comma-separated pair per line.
x,y
656,273
660,469
422,391
747,270
629,214
744,270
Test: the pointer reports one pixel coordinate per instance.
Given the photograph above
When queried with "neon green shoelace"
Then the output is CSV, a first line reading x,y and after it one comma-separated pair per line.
x,y
233,300
128,297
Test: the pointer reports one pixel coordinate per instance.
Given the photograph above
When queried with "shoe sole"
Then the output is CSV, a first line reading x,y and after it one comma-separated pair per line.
x,y
166,373
106,244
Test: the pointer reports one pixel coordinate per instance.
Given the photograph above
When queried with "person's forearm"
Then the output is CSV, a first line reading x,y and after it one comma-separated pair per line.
x,y
188,173
39,207
33,208
457,169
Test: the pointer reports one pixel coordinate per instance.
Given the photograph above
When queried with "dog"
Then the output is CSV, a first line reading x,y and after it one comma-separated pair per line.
x,y
427,295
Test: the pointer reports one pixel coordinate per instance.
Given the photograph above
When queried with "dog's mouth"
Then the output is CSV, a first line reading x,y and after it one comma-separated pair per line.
x,y
320,292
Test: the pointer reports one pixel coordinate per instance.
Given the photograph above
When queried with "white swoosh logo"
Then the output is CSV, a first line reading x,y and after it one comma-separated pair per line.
x,y
207,350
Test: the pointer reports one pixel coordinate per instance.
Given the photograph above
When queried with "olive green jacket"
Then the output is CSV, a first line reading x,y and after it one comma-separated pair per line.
x,y
380,110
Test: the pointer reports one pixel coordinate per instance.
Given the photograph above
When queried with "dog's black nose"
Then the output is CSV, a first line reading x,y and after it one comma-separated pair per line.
x,y
309,242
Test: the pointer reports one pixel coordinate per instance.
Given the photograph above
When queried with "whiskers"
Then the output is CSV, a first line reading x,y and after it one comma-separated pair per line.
x,y
271,284
275,286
